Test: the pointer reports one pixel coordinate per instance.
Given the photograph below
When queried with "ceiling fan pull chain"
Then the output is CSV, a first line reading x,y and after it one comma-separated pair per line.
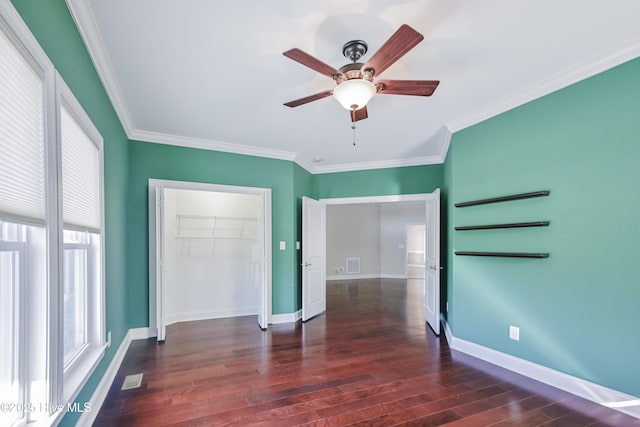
x,y
353,126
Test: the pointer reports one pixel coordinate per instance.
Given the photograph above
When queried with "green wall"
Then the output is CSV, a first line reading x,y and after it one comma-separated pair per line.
x,y
55,30
160,161
578,309
378,182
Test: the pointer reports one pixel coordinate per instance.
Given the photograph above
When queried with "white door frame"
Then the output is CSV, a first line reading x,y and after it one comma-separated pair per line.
x,y
156,231
425,197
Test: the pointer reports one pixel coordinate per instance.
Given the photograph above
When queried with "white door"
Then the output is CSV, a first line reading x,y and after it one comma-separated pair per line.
x,y
259,265
432,261
156,209
314,287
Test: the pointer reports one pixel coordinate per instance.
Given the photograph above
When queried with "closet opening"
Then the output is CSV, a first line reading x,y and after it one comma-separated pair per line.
x,y
209,253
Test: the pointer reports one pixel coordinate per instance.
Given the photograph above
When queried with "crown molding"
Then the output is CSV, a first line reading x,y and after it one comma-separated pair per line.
x,y
559,81
87,25
382,164
227,147
304,165
206,144
445,140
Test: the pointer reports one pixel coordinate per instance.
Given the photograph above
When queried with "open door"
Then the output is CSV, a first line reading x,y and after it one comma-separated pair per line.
x,y
432,262
156,318
259,262
314,286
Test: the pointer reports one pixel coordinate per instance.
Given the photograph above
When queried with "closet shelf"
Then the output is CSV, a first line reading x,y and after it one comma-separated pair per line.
x,y
509,225
503,198
215,227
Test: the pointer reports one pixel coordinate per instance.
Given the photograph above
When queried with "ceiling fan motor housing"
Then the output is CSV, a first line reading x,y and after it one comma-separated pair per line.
x,y
354,49
352,71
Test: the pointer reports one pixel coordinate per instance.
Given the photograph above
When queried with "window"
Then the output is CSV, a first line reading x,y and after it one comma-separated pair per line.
x,y
11,282
51,234
74,295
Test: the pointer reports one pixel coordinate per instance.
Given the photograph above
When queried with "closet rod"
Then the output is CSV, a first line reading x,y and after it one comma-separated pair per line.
x,y
503,198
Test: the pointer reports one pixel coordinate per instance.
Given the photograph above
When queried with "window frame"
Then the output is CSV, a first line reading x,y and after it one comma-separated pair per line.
x,y
73,377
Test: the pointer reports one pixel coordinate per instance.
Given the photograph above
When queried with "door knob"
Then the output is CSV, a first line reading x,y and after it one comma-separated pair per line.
x,y
306,264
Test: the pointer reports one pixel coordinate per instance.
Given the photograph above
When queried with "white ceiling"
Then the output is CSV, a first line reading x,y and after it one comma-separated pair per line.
x,y
211,74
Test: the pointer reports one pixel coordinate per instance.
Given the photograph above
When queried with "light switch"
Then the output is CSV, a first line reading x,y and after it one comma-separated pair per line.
x,y
297,245
283,246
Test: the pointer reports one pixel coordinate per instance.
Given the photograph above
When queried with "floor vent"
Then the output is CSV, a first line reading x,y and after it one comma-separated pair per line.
x,y
353,265
131,381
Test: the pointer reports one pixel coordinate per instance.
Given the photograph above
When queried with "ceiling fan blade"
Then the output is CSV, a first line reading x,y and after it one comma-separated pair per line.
x,y
311,62
401,42
360,114
407,87
308,99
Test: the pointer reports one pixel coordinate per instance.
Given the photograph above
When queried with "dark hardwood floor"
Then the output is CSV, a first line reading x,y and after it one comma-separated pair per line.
x,y
370,360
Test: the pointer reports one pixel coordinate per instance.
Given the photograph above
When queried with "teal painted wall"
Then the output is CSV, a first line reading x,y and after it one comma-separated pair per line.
x,y
159,161
378,182
55,30
577,310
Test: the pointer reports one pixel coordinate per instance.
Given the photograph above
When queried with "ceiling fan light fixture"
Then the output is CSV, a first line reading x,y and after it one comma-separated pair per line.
x,y
354,94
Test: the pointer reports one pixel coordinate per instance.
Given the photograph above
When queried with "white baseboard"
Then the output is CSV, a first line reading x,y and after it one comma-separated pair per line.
x,y
140,333
100,393
596,393
216,314
277,319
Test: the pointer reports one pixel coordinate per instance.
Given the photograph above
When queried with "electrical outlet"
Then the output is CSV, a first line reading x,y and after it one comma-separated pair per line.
x,y
447,306
109,339
514,333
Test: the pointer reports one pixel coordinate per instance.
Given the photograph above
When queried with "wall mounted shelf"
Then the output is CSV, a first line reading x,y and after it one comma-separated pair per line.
x,y
510,225
504,254
503,198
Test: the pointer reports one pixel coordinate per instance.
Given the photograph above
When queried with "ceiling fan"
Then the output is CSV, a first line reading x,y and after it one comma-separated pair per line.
x,y
355,81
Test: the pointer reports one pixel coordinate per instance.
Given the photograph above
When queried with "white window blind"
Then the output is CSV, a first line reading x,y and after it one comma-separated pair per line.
x,y
80,176
22,154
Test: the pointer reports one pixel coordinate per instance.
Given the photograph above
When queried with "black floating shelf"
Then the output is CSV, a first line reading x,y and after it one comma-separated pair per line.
x,y
511,225
505,254
503,198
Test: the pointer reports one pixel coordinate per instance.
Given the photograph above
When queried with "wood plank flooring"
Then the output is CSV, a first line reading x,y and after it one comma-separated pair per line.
x,y
368,361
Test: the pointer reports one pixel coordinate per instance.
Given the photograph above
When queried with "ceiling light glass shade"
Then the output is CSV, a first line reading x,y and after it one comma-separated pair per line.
x,y
354,94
